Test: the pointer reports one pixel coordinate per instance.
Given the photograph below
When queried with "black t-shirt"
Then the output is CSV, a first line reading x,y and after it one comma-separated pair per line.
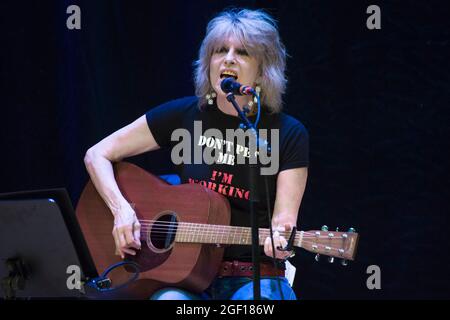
x,y
226,175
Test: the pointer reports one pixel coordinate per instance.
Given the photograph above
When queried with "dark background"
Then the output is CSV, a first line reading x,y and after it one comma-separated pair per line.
x,y
375,103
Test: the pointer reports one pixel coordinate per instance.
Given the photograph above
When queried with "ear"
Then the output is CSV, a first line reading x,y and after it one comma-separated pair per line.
x,y
258,80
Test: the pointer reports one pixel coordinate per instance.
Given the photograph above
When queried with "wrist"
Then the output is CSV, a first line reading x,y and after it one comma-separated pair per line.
x,y
286,226
118,208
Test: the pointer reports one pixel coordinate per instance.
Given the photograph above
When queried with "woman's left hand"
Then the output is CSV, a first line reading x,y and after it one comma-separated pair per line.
x,y
279,241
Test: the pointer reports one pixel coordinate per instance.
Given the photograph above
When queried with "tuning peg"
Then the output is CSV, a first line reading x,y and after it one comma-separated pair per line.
x,y
330,259
317,257
344,262
324,228
351,230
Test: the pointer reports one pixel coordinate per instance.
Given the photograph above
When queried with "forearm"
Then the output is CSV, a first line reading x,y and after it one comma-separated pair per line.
x,y
291,186
101,171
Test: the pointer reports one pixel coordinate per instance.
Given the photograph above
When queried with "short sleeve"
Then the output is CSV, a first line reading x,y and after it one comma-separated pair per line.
x,y
294,145
165,118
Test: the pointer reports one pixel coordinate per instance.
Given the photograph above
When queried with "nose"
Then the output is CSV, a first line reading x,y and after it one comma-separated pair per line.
x,y
230,58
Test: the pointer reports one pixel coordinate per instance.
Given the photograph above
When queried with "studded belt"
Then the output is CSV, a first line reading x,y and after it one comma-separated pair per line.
x,y
245,269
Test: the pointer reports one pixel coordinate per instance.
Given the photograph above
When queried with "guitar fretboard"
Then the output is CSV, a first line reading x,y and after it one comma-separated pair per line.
x,y
217,234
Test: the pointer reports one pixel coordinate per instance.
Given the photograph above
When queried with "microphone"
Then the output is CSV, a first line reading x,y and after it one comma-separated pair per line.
x,y
229,85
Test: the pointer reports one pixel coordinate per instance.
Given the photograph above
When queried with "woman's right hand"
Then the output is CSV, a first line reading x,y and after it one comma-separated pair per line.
x,y
126,231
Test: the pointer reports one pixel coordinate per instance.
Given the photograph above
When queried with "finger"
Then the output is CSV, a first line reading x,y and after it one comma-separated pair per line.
x,y
123,244
272,253
283,241
129,251
124,249
283,245
137,234
116,241
129,238
276,236
276,239
283,254
121,237
268,247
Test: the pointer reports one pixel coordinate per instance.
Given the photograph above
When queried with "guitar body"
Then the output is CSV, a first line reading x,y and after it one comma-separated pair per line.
x,y
163,262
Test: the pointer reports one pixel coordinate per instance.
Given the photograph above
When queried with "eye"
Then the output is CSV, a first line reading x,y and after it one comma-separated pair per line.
x,y
242,52
221,50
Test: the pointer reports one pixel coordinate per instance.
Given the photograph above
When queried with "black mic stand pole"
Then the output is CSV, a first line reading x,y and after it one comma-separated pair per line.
x,y
253,188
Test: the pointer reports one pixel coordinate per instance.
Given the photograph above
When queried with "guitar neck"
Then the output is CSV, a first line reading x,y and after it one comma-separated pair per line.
x,y
335,244
226,235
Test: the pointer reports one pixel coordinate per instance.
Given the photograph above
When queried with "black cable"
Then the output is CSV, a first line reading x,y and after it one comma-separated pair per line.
x,y
103,284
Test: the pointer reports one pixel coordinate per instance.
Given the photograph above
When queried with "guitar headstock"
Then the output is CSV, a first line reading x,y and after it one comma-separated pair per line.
x,y
334,244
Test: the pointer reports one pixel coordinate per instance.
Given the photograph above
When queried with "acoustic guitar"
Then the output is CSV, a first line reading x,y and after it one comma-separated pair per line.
x,y
184,229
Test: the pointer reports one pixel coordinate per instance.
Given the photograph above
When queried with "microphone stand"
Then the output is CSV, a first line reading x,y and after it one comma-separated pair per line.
x,y
253,188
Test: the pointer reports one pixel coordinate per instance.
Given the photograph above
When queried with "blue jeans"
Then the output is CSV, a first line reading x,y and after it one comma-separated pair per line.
x,y
232,288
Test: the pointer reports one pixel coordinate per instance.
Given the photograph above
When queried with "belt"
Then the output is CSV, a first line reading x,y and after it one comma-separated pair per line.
x,y
245,269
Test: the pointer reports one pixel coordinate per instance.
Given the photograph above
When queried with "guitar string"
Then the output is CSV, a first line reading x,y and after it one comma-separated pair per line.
x,y
231,241
211,228
186,228
152,222
163,235
225,231
166,230
304,242
156,222
230,232
189,232
331,248
221,230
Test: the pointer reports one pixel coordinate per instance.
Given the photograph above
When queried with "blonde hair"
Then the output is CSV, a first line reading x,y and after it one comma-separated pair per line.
x,y
257,31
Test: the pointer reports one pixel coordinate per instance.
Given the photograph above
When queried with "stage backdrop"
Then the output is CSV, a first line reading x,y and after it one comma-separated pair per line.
x,y
375,103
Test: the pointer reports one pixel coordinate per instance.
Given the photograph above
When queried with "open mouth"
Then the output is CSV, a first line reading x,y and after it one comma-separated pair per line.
x,y
228,74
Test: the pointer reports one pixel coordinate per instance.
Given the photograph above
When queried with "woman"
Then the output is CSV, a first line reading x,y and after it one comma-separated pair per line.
x,y
244,45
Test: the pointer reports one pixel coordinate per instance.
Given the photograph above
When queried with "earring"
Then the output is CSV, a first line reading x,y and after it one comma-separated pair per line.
x,y
258,91
248,108
210,97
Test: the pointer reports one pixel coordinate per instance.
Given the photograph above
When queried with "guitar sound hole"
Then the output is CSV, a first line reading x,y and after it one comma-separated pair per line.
x,y
163,231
